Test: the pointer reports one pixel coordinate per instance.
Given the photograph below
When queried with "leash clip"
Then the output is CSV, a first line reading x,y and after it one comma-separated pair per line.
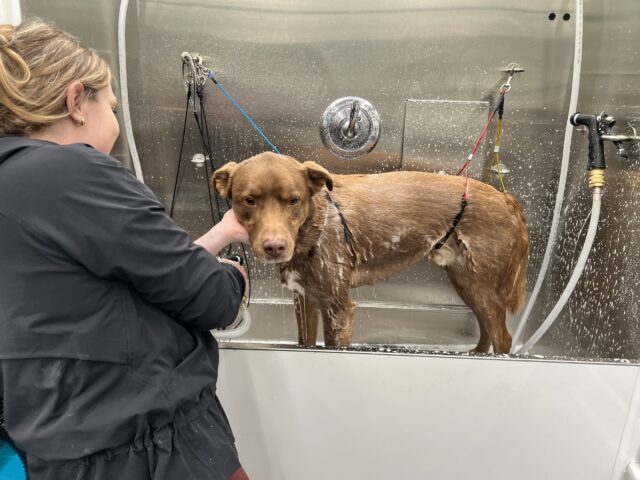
x,y
511,71
505,87
195,74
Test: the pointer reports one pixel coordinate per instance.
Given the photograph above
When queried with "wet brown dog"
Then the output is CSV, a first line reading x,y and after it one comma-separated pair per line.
x,y
392,220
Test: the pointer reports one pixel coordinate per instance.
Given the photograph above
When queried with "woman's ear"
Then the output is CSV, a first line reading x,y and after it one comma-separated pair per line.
x,y
222,179
317,176
75,96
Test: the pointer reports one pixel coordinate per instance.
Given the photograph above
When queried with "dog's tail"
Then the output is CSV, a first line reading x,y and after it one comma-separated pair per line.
x,y
516,277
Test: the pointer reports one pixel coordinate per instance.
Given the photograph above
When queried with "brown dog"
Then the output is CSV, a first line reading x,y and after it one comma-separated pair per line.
x,y
391,220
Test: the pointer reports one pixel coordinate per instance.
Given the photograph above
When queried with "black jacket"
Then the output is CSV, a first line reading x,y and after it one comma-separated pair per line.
x,y
105,304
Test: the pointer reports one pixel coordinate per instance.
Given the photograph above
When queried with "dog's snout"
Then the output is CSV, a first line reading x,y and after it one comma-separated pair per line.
x,y
274,247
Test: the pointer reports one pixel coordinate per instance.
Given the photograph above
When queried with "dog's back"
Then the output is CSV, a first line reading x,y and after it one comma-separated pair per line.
x,y
397,218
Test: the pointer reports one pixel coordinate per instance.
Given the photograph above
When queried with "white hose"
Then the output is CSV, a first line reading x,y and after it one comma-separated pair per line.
x,y
10,12
566,150
124,90
239,327
634,471
575,276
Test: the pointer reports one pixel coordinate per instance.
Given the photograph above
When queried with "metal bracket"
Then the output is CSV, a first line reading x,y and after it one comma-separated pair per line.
x,y
510,70
194,76
513,68
607,122
622,138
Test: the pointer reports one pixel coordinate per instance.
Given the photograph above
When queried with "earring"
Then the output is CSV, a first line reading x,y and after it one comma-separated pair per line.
x,y
81,122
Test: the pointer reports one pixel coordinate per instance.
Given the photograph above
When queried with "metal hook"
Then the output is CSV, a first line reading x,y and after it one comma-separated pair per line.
x,y
510,70
192,63
350,130
513,68
606,123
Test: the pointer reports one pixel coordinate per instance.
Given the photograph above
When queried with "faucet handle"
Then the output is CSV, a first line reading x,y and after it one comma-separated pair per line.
x,y
349,129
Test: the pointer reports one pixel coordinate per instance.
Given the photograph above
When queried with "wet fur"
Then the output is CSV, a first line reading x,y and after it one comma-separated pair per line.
x,y
394,220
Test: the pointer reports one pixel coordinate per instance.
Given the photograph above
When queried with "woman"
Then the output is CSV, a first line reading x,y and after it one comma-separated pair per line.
x,y
107,366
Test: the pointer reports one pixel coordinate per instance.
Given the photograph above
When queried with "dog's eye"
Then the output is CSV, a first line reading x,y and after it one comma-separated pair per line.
x,y
250,201
294,201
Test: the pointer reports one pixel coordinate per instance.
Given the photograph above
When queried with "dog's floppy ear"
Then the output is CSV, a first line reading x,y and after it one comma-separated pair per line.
x,y
222,179
318,176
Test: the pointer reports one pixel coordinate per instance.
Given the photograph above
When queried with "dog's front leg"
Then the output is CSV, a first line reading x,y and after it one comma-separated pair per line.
x,y
306,311
337,322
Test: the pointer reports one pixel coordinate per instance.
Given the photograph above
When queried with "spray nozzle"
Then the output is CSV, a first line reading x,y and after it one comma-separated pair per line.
x,y
594,126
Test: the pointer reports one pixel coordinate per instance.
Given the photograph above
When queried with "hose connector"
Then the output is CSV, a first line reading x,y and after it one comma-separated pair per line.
x,y
596,178
594,126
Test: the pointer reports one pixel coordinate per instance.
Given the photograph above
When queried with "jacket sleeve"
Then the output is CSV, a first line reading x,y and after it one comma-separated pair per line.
x,y
113,225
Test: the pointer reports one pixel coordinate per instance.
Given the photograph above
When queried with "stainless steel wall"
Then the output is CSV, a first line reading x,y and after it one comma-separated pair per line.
x,y
286,61
601,318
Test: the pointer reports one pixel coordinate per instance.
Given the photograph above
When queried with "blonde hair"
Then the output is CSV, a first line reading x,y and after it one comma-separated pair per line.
x,y
37,63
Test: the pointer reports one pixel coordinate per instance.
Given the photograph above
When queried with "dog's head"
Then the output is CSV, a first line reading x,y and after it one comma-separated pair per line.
x,y
271,197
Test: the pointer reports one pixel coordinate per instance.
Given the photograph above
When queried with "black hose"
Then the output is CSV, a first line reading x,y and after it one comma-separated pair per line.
x,y
184,129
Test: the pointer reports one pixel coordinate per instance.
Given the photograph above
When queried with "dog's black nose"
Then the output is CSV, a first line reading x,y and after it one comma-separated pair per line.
x,y
274,247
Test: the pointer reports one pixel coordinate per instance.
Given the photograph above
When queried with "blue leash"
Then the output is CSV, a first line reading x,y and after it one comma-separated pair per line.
x,y
241,110
345,227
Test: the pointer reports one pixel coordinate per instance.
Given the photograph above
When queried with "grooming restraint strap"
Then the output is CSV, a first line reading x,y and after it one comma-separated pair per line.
x,y
456,220
345,227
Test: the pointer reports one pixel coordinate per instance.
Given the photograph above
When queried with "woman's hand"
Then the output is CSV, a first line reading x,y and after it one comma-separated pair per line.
x,y
226,231
233,228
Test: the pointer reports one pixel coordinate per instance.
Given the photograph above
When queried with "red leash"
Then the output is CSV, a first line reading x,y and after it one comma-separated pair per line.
x,y
478,142
511,70
465,166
